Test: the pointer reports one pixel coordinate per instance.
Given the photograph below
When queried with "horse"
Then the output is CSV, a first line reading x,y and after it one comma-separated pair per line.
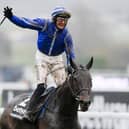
x,y
62,110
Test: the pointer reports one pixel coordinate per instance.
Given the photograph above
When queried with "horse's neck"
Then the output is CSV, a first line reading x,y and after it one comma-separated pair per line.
x,y
68,105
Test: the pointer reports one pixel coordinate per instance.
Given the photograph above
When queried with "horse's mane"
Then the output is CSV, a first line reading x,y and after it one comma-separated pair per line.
x,y
61,88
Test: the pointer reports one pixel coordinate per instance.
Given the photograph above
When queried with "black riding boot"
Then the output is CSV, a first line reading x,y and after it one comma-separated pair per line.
x,y
33,100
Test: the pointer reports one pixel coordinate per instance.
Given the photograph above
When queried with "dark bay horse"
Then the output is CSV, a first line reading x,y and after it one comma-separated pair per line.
x,y
62,111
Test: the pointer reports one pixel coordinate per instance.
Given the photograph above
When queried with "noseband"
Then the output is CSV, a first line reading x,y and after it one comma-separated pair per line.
x,y
76,95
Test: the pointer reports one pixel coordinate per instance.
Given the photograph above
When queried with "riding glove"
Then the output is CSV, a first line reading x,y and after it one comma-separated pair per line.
x,y
69,69
8,12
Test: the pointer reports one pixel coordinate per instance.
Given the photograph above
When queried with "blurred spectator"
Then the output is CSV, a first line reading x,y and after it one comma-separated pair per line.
x,y
11,73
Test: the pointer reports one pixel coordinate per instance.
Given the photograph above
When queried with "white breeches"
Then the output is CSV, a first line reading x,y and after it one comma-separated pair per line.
x,y
53,65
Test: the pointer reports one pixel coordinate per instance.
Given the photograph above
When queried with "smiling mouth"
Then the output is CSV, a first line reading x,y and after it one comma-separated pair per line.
x,y
61,25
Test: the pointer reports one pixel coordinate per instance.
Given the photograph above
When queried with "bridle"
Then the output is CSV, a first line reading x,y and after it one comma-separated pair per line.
x,y
75,94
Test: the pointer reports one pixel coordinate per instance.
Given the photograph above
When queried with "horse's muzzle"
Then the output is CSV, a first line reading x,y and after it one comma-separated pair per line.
x,y
84,105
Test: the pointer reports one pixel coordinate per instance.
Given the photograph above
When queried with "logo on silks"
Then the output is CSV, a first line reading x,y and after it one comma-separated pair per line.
x,y
20,109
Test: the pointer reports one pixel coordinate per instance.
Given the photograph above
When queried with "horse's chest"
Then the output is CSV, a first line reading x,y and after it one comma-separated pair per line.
x,y
66,124
54,122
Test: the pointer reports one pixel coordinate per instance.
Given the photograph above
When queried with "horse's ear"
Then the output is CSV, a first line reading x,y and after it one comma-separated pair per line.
x,y
90,63
73,64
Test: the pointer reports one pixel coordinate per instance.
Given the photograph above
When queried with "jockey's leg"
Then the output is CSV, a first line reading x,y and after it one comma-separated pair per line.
x,y
41,71
59,73
33,100
35,96
59,76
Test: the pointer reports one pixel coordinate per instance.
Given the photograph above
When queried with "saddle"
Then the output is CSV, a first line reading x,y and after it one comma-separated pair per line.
x,y
20,109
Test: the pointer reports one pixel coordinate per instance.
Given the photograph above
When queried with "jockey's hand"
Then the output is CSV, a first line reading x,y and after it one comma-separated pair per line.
x,y
69,69
8,12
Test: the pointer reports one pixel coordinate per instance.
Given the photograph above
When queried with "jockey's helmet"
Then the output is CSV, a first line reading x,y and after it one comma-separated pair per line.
x,y
60,12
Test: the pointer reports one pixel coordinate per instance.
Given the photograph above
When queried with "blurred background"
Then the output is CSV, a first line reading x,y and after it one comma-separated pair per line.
x,y
100,28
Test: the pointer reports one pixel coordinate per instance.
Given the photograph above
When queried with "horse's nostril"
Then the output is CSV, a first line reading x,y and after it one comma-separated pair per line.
x,y
89,102
81,101
84,105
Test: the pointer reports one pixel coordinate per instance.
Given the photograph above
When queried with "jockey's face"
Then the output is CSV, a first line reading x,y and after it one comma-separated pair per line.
x,y
61,22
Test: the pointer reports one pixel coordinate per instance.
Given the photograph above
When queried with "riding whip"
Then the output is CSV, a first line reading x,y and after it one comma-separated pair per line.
x,y
2,21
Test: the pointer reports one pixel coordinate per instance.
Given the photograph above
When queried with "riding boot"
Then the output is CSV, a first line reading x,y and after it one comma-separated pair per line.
x,y
33,100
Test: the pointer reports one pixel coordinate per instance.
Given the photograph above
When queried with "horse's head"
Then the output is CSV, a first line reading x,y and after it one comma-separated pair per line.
x,y
81,84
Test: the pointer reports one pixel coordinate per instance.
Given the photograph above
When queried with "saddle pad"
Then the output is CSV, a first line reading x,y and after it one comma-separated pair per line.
x,y
20,109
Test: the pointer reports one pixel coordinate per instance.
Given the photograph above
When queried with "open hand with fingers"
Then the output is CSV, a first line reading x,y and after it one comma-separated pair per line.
x,y
8,12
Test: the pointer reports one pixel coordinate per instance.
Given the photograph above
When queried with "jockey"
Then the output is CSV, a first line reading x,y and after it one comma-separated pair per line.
x,y
53,40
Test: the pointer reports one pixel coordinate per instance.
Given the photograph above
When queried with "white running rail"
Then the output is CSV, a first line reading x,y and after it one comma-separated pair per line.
x,y
119,115
1,111
104,120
